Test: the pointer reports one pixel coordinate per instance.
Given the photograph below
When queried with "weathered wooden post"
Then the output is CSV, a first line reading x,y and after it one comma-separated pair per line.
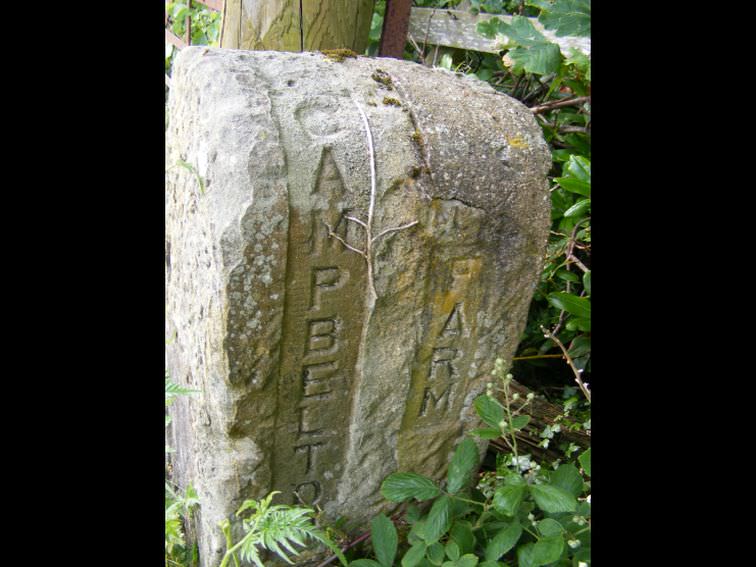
x,y
296,25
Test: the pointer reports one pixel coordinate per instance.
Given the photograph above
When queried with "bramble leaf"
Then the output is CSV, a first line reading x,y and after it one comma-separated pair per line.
x,y
402,486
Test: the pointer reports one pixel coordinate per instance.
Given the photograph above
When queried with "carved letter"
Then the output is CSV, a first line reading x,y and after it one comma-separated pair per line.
x,y
321,336
324,279
308,448
316,379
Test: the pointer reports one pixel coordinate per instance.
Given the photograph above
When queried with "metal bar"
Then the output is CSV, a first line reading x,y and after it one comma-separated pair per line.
x,y
395,25
216,5
188,38
170,37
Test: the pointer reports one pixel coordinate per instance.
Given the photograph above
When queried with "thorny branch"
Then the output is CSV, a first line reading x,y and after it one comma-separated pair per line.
x,y
575,369
559,104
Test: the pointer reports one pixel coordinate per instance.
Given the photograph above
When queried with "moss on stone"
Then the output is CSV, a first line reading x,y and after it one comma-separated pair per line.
x,y
382,77
338,55
389,101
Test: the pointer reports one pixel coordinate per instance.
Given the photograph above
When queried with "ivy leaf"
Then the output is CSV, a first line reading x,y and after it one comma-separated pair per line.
x,y
462,465
438,520
503,541
578,306
522,31
489,410
541,58
585,461
385,540
547,550
508,498
552,499
402,486
568,17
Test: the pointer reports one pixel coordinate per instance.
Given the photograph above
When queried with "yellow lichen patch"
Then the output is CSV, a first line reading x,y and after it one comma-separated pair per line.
x,y
382,77
391,101
517,142
338,55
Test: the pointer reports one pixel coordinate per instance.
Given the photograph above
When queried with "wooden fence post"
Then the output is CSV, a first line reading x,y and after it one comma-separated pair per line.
x,y
296,25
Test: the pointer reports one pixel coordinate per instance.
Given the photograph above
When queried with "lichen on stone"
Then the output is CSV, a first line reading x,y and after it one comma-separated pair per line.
x,y
338,55
389,101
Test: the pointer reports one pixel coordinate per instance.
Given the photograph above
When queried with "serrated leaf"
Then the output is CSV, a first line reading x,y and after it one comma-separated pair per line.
x,y
402,486
435,553
580,207
414,555
508,498
452,550
486,433
503,541
541,58
585,461
549,527
520,421
552,499
438,520
578,306
568,17
547,550
568,478
489,410
385,540
462,465
468,560
525,556
461,533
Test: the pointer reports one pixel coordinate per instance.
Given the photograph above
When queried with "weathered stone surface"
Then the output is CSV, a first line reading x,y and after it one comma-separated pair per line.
x,y
311,383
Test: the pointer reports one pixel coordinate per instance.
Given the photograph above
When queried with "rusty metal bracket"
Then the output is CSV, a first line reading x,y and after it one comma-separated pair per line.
x,y
395,26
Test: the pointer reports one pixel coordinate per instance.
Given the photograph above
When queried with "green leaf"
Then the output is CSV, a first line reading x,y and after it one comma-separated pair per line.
x,y
462,465
489,410
587,282
568,478
491,564
414,555
566,275
548,550
578,167
435,553
549,527
452,550
578,208
520,421
580,345
385,540
579,306
574,185
402,486
438,521
468,560
486,433
508,498
585,461
503,541
364,563
552,499
568,17
461,533
525,556
522,31
541,58
578,325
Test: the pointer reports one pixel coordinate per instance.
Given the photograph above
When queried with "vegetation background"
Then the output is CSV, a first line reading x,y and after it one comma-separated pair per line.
x,y
518,511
